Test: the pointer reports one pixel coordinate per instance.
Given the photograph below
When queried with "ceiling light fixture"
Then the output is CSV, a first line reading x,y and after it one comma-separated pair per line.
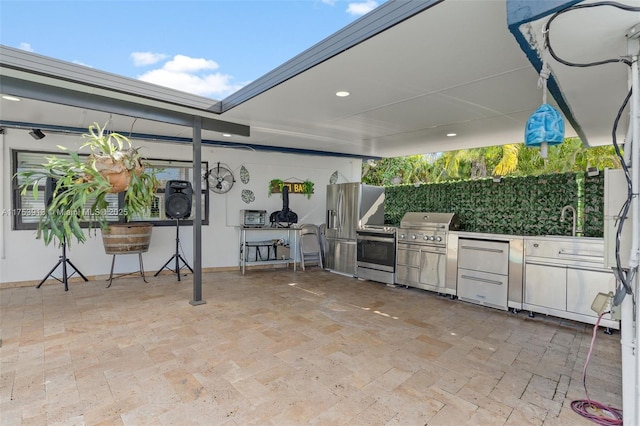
x,y
342,94
37,134
10,98
226,135
450,135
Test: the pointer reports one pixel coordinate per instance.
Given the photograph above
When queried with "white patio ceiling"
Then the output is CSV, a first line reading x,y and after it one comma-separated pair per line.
x,y
452,67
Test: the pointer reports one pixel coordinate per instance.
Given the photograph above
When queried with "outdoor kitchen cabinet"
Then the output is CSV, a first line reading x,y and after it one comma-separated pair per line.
x,y
563,277
545,287
422,268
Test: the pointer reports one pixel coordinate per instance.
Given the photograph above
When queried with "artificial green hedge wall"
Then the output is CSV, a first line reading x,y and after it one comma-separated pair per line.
x,y
593,206
528,205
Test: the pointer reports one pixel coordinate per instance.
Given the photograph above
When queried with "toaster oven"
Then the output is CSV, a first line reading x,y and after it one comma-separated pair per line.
x,y
253,218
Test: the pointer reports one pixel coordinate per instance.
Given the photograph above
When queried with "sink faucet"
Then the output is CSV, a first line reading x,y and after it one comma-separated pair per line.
x,y
564,211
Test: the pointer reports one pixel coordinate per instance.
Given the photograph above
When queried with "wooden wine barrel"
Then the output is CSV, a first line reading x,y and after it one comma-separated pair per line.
x,y
123,238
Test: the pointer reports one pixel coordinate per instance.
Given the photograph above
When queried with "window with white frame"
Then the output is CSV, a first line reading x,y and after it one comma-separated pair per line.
x,y
26,209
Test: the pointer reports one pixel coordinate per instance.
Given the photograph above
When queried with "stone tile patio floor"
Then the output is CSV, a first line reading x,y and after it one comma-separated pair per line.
x,y
277,347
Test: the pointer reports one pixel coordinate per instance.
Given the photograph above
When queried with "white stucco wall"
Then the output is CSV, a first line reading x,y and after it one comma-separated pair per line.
x,y
24,258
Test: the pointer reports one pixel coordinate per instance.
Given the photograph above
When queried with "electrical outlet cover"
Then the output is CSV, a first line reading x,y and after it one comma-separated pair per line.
x,y
601,302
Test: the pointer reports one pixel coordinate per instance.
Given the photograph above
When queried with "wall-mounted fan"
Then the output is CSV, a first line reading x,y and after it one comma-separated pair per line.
x,y
220,179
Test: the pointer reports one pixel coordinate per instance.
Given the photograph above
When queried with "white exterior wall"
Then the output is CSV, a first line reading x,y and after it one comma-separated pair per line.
x,y
24,258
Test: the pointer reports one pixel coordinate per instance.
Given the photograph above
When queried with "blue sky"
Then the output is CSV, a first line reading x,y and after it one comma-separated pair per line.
x,y
207,47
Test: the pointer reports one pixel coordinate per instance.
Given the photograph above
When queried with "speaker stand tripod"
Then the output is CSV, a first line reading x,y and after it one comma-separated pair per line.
x,y
63,260
177,256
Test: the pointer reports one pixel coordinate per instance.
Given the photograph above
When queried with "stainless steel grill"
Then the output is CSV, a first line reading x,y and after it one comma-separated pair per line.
x,y
427,228
422,250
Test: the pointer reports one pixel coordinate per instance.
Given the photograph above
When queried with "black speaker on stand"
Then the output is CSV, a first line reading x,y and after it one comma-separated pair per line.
x,y
177,205
49,189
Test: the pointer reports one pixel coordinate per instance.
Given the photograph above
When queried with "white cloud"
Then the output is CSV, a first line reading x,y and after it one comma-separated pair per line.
x,y
141,59
181,63
361,8
26,46
190,75
83,64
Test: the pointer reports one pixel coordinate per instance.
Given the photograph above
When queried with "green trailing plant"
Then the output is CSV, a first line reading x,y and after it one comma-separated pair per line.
x,y
83,184
275,185
307,188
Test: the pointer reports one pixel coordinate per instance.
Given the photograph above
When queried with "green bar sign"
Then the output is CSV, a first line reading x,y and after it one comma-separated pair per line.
x,y
305,187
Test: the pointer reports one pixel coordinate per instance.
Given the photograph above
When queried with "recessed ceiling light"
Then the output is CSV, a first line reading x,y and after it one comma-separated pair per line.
x,y
450,135
342,94
10,98
226,135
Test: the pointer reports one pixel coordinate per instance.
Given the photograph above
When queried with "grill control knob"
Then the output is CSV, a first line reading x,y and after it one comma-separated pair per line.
x,y
432,238
426,238
402,236
413,237
438,239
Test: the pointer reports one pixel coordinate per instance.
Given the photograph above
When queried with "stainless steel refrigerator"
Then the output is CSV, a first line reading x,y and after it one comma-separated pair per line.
x,y
349,206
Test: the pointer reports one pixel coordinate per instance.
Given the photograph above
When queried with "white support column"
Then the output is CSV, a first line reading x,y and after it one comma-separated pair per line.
x,y
3,209
630,313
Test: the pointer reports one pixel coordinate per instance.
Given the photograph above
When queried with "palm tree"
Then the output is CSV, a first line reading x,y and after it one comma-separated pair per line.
x,y
509,161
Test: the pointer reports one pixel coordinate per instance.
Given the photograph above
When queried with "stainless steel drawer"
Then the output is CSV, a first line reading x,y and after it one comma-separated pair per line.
x,y
483,288
485,256
569,250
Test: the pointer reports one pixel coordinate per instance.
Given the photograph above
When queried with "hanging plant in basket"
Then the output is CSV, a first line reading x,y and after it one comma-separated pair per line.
x,y
81,186
113,157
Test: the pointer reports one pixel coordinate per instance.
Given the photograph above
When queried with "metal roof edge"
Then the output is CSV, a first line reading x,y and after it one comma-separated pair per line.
x,y
520,12
207,142
58,91
42,65
375,22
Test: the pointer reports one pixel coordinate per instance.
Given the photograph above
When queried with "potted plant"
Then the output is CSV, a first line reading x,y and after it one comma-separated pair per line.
x,y
82,185
307,188
275,186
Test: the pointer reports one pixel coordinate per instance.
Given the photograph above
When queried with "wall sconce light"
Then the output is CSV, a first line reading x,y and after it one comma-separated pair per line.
x,y
37,134
497,178
592,171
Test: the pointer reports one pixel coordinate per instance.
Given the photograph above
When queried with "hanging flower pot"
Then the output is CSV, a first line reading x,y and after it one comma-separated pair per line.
x,y
117,168
79,194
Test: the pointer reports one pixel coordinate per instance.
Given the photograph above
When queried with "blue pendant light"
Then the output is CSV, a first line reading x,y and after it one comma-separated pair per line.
x,y
545,126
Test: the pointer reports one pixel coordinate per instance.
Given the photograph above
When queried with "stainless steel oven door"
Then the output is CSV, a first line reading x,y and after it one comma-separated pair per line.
x,y
376,252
